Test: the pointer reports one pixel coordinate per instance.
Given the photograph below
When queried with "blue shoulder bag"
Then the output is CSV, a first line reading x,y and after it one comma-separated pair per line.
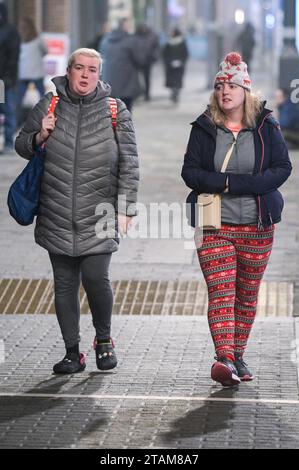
x,y
24,193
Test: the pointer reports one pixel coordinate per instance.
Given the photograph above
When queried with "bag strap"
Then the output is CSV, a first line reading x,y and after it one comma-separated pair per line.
x,y
227,157
112,103
113,108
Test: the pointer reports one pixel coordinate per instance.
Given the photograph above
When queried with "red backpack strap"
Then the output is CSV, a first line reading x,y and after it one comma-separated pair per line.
x,y
113,108
53,104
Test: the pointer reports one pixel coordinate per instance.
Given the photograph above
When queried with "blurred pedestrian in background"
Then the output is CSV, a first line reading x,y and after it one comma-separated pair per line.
x,y
31,67
97,41
88,195
122,61
175,55
148,42
288,116
236,128
9,57
245,43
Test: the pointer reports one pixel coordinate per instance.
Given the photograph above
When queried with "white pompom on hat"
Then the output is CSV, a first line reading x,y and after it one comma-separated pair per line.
x,y
233,70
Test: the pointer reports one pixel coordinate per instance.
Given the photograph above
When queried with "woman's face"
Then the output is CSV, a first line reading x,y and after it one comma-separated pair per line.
x,y
230,97
84,75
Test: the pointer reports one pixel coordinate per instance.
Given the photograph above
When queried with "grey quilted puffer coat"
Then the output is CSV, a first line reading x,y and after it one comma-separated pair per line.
x,y
86,164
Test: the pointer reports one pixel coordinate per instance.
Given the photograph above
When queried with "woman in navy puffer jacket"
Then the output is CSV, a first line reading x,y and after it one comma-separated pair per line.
x,y
234,258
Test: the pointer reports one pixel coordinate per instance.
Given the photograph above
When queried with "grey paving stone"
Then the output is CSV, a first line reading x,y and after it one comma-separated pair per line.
x,y
154,360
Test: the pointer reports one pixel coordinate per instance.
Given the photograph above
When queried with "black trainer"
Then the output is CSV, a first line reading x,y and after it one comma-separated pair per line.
x,y
241,366
70,364
105,354
224,372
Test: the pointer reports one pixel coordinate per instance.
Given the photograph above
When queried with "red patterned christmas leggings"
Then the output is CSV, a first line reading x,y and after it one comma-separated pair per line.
x,y
233,260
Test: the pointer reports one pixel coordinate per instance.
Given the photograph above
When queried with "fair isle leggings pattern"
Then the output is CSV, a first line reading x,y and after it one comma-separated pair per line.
x,y
233,260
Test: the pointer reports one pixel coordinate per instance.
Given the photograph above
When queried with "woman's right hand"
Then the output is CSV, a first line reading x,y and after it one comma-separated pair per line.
x,y
48,126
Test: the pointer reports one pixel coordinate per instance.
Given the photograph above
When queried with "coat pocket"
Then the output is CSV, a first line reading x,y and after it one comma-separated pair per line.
x,y
272,204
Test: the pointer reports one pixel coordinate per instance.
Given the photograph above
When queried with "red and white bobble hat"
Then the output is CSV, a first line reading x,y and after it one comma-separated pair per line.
x,y
233,70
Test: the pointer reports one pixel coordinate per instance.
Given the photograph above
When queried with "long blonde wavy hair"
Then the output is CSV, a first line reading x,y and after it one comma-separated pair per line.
x,y
253,106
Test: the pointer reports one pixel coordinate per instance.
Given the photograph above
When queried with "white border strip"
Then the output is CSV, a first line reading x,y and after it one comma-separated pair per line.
x,y
151,398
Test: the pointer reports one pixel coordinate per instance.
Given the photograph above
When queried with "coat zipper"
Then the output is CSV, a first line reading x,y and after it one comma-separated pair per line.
x,y
260,225
75,181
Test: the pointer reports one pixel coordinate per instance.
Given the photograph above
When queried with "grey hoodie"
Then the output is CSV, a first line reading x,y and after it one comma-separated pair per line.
x,y
85,166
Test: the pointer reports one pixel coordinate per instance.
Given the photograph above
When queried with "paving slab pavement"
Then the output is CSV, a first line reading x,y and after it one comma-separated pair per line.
x,y
160,395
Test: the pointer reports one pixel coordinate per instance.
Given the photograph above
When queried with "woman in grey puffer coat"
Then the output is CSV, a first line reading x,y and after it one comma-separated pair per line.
x,y
88,195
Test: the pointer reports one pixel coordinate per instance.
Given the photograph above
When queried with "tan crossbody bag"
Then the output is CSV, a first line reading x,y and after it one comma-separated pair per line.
x,y
209,205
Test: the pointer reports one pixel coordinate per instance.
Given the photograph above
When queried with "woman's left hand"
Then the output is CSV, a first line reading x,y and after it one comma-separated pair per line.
x,y
124,223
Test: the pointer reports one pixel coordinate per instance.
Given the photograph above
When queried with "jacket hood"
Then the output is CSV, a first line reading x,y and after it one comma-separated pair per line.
x,y
117,35
264,113
103,90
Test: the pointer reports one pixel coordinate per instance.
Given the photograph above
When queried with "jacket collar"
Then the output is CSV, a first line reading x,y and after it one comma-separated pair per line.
x,y
264,113
205,120
102,90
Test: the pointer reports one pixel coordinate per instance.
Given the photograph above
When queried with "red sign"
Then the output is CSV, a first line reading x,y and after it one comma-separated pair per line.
x,y
55,46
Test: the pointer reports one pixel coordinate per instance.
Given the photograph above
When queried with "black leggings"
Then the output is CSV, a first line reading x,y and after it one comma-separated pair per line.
x,y
94,272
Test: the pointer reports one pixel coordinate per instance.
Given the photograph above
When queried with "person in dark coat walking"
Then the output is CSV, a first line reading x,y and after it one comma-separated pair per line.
x,y
88,196
234,258
148,42
31,67
245,42
121,63
9,57
288,116
175,55
97,41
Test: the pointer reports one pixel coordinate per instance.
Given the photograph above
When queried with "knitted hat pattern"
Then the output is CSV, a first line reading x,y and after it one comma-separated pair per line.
x,y
233,70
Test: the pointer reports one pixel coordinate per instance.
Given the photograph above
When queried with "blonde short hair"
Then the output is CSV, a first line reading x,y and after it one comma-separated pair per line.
x,y
252,108
87,53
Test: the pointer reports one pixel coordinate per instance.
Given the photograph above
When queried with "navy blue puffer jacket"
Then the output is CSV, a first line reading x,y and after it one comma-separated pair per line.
x,y
272,167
